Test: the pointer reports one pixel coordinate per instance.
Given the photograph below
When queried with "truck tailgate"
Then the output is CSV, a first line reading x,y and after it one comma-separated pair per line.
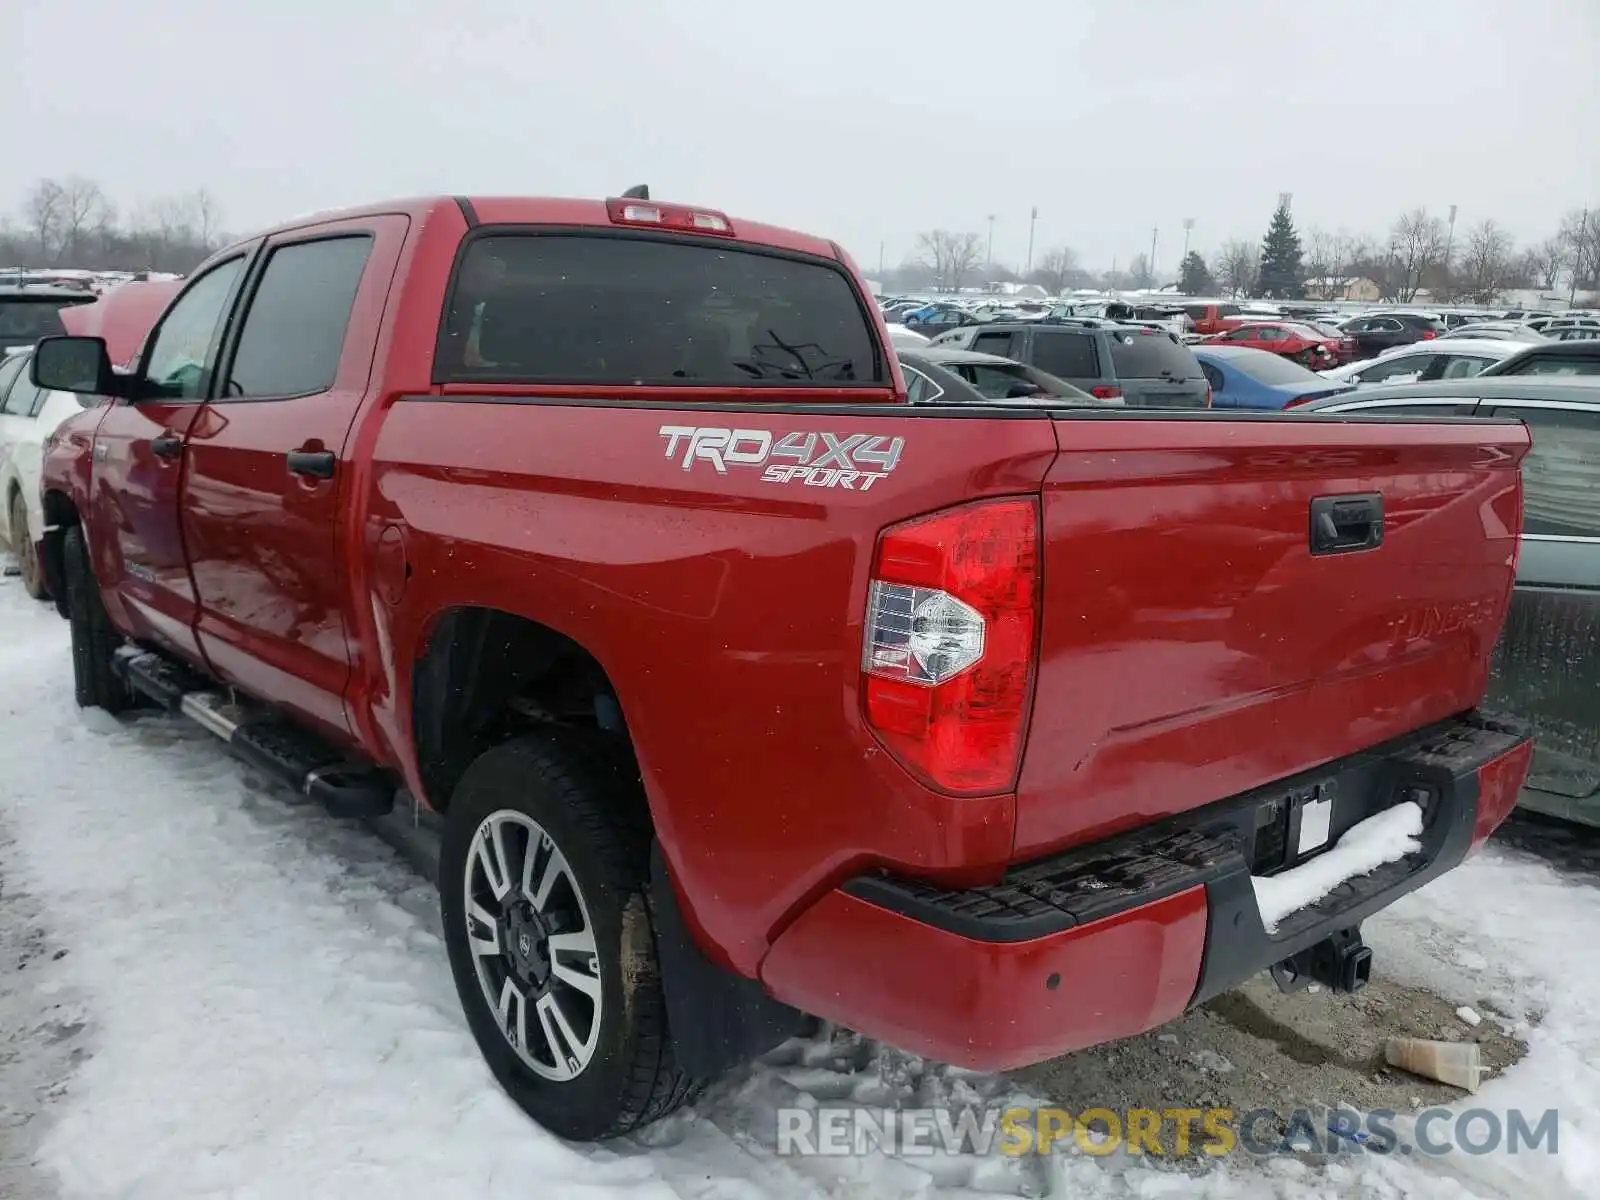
x,y
1193,646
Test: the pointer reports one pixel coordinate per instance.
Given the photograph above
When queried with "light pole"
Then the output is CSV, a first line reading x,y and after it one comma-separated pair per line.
x,y
1033,220
1188,224
1577,256
1449,241
988,257
1150,267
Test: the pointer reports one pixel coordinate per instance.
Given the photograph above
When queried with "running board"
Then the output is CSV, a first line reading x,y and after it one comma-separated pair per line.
x,y
346,786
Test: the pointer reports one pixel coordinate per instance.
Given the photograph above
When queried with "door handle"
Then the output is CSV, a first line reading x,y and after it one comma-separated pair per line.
x,y
167,445
316,463
1340,524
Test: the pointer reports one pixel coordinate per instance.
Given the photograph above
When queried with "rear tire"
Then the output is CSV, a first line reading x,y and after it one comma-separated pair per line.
x,y
94,639
587,1054
26,552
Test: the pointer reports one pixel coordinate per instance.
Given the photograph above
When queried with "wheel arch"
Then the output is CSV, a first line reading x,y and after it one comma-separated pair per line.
x,y
483,674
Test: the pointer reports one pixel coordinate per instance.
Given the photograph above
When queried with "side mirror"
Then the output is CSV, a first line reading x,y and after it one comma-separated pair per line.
x,y
74,364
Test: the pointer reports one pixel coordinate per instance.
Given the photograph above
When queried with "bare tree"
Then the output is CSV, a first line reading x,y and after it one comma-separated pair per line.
x,y
46,205
1544,263
207,215
1417,243
1486,265
86,215
951,256
1332,257
1580,237
1319,256
1055,269
1139,271
1235,267
70,221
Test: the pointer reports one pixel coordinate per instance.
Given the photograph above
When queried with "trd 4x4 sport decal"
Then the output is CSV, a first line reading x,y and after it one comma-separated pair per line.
x,y
835,460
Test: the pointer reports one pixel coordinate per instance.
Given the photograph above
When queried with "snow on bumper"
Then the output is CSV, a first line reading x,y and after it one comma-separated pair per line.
x,y
1109,940
1383,838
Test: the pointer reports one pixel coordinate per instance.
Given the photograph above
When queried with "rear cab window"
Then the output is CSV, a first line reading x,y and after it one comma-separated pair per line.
x,y
1152,356
632,309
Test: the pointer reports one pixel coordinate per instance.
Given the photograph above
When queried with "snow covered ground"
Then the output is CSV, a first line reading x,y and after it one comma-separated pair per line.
x,y
209,991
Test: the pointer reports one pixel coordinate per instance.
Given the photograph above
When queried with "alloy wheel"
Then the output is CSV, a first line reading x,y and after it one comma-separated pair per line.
x,y
533,945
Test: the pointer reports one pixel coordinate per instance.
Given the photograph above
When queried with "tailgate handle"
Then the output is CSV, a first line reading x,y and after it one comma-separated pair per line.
x,y
1340,524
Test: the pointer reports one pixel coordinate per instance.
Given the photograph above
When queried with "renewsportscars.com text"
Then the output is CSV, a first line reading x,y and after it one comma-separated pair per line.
x,y
1165,1132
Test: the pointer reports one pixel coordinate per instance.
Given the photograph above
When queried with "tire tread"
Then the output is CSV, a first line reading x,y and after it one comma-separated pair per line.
x,y
593,777
94,638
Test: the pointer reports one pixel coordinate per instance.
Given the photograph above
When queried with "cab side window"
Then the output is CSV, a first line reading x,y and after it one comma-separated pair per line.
x,y
293,332
1561,475
183,355
24,399
10,372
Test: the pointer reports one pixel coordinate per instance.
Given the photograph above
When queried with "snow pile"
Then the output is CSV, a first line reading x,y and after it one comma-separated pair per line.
x,y
1382,838
271,1006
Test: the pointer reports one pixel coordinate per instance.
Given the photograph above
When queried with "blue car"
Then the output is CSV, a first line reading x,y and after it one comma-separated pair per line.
x,y
1244,378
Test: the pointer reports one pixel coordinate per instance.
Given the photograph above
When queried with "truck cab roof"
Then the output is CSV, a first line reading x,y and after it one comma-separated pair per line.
x,y
552,210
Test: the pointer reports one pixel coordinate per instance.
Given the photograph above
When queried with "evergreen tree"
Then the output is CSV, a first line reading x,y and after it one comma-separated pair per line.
x,y
1194,277
1282,277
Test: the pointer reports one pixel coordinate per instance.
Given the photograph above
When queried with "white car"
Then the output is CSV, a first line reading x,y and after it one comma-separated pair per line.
x,y
903,338
1439,358
28,416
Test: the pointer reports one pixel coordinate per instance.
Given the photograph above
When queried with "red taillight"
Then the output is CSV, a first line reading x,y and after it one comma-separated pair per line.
x,y
948,649
1428,335
1105,393
668,216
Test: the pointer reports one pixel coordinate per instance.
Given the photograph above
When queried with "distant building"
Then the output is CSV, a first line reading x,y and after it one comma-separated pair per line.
x,y
1343,287
1023,291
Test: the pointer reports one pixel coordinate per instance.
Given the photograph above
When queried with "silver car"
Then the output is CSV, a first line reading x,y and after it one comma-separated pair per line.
x,y
1546,667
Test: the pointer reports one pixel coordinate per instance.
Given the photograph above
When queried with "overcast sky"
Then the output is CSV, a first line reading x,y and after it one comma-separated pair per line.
x,y
862,120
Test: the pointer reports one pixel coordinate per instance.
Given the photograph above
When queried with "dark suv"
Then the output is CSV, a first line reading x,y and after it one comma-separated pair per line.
x,y
29,313
1377,332
1147,368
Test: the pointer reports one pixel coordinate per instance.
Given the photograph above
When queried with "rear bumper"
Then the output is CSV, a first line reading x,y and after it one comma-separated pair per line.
x,y
1109,940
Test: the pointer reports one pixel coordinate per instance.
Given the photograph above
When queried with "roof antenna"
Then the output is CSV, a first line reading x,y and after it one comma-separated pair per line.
x,y
637,192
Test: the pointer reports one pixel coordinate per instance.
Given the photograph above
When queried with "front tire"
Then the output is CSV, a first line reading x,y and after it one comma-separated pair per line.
x,y
94,638
542,885
27,554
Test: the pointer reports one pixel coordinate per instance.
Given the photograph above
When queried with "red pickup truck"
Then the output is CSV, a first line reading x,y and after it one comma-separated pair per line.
x,y
746,688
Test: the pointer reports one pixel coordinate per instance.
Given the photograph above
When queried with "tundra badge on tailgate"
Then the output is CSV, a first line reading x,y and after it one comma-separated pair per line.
x,y
844,460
